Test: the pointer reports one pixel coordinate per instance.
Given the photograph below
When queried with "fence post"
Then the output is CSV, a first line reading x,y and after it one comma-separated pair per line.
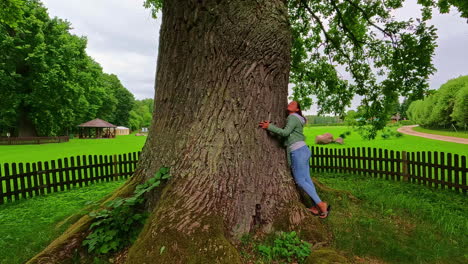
x,y
404,160
1,186
114,160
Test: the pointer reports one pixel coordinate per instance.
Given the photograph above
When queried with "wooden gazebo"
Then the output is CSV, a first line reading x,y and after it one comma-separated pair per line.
x,y
97,129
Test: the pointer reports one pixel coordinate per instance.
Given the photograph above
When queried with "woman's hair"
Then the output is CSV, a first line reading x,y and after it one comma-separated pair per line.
x,y
300,111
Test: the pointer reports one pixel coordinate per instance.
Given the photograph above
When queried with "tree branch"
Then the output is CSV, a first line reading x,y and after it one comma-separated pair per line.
x,y
322,27
344,27
367,17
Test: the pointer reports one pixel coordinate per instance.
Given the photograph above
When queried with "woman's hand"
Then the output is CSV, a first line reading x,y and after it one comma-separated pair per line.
x,y
264,124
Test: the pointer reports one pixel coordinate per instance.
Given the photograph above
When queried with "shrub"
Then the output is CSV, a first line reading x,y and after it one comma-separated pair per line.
x,y
385,135
445,107
460,108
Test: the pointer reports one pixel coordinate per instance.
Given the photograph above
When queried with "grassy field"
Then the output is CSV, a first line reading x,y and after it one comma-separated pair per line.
x,y
29,225
45,152
443,132
372,220
405,142
131,143
396,222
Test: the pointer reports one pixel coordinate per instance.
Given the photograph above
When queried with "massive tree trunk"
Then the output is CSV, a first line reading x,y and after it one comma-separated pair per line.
x,y
26,128
223,66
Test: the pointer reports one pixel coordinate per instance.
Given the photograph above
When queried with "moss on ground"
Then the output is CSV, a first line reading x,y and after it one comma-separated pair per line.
x,y
206,244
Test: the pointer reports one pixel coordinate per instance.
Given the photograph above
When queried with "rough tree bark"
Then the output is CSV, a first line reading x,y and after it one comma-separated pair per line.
x,y
223,66
25,126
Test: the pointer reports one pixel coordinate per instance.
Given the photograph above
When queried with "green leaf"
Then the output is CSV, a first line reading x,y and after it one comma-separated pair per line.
x,y
164,170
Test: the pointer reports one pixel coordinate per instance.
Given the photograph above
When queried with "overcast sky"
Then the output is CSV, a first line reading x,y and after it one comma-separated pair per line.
x,y
124,38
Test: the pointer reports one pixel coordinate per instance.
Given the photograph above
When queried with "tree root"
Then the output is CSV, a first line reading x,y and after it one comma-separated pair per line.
x,y
206,244
63,248
159,242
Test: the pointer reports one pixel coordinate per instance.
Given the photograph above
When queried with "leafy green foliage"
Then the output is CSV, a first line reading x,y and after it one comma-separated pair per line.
x,y
444,6
154,5
286,246
460,108
388,133
385,58
362,39
343,135
445,107
315,119
47,78
117,101
10,12
141,114
120,222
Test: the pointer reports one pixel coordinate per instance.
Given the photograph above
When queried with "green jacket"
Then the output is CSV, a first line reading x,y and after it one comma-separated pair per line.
x,y
291,133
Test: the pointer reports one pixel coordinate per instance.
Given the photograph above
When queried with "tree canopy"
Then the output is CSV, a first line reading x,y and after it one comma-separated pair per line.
x,y
445,107
141,114
47,77
385,58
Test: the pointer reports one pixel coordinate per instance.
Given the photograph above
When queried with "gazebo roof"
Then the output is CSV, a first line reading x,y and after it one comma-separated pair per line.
x,y
97,123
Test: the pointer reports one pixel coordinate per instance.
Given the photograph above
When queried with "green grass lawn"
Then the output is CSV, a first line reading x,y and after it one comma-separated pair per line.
x,y
396,222
405,142
28,226
46,152
443,132
131,143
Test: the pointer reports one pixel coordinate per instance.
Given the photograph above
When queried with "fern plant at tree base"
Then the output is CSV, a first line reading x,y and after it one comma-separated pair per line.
x,y
119,224
286,246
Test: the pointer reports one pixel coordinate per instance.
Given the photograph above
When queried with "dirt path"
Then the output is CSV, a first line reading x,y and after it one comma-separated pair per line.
x,y
409,130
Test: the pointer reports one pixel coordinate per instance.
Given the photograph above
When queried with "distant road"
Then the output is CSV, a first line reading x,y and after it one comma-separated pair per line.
x,y
409,131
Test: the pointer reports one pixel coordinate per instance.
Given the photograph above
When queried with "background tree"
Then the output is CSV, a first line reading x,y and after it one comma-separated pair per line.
x,y
351,118
223,66
125,103
11,12
403,107
49,83
117,103
444,108
141,114
316,119
460,108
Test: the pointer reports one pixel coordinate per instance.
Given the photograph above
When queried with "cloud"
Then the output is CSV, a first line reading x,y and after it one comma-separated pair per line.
x,y
122,37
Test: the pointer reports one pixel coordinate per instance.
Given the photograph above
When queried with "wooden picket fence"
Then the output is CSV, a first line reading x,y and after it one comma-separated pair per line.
x,y
25,180
434,169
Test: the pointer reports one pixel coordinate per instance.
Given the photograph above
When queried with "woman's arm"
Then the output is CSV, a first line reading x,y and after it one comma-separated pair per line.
x,y
287,130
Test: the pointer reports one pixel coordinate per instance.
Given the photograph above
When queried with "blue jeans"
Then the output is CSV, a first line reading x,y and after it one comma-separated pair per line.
x,y
301,171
